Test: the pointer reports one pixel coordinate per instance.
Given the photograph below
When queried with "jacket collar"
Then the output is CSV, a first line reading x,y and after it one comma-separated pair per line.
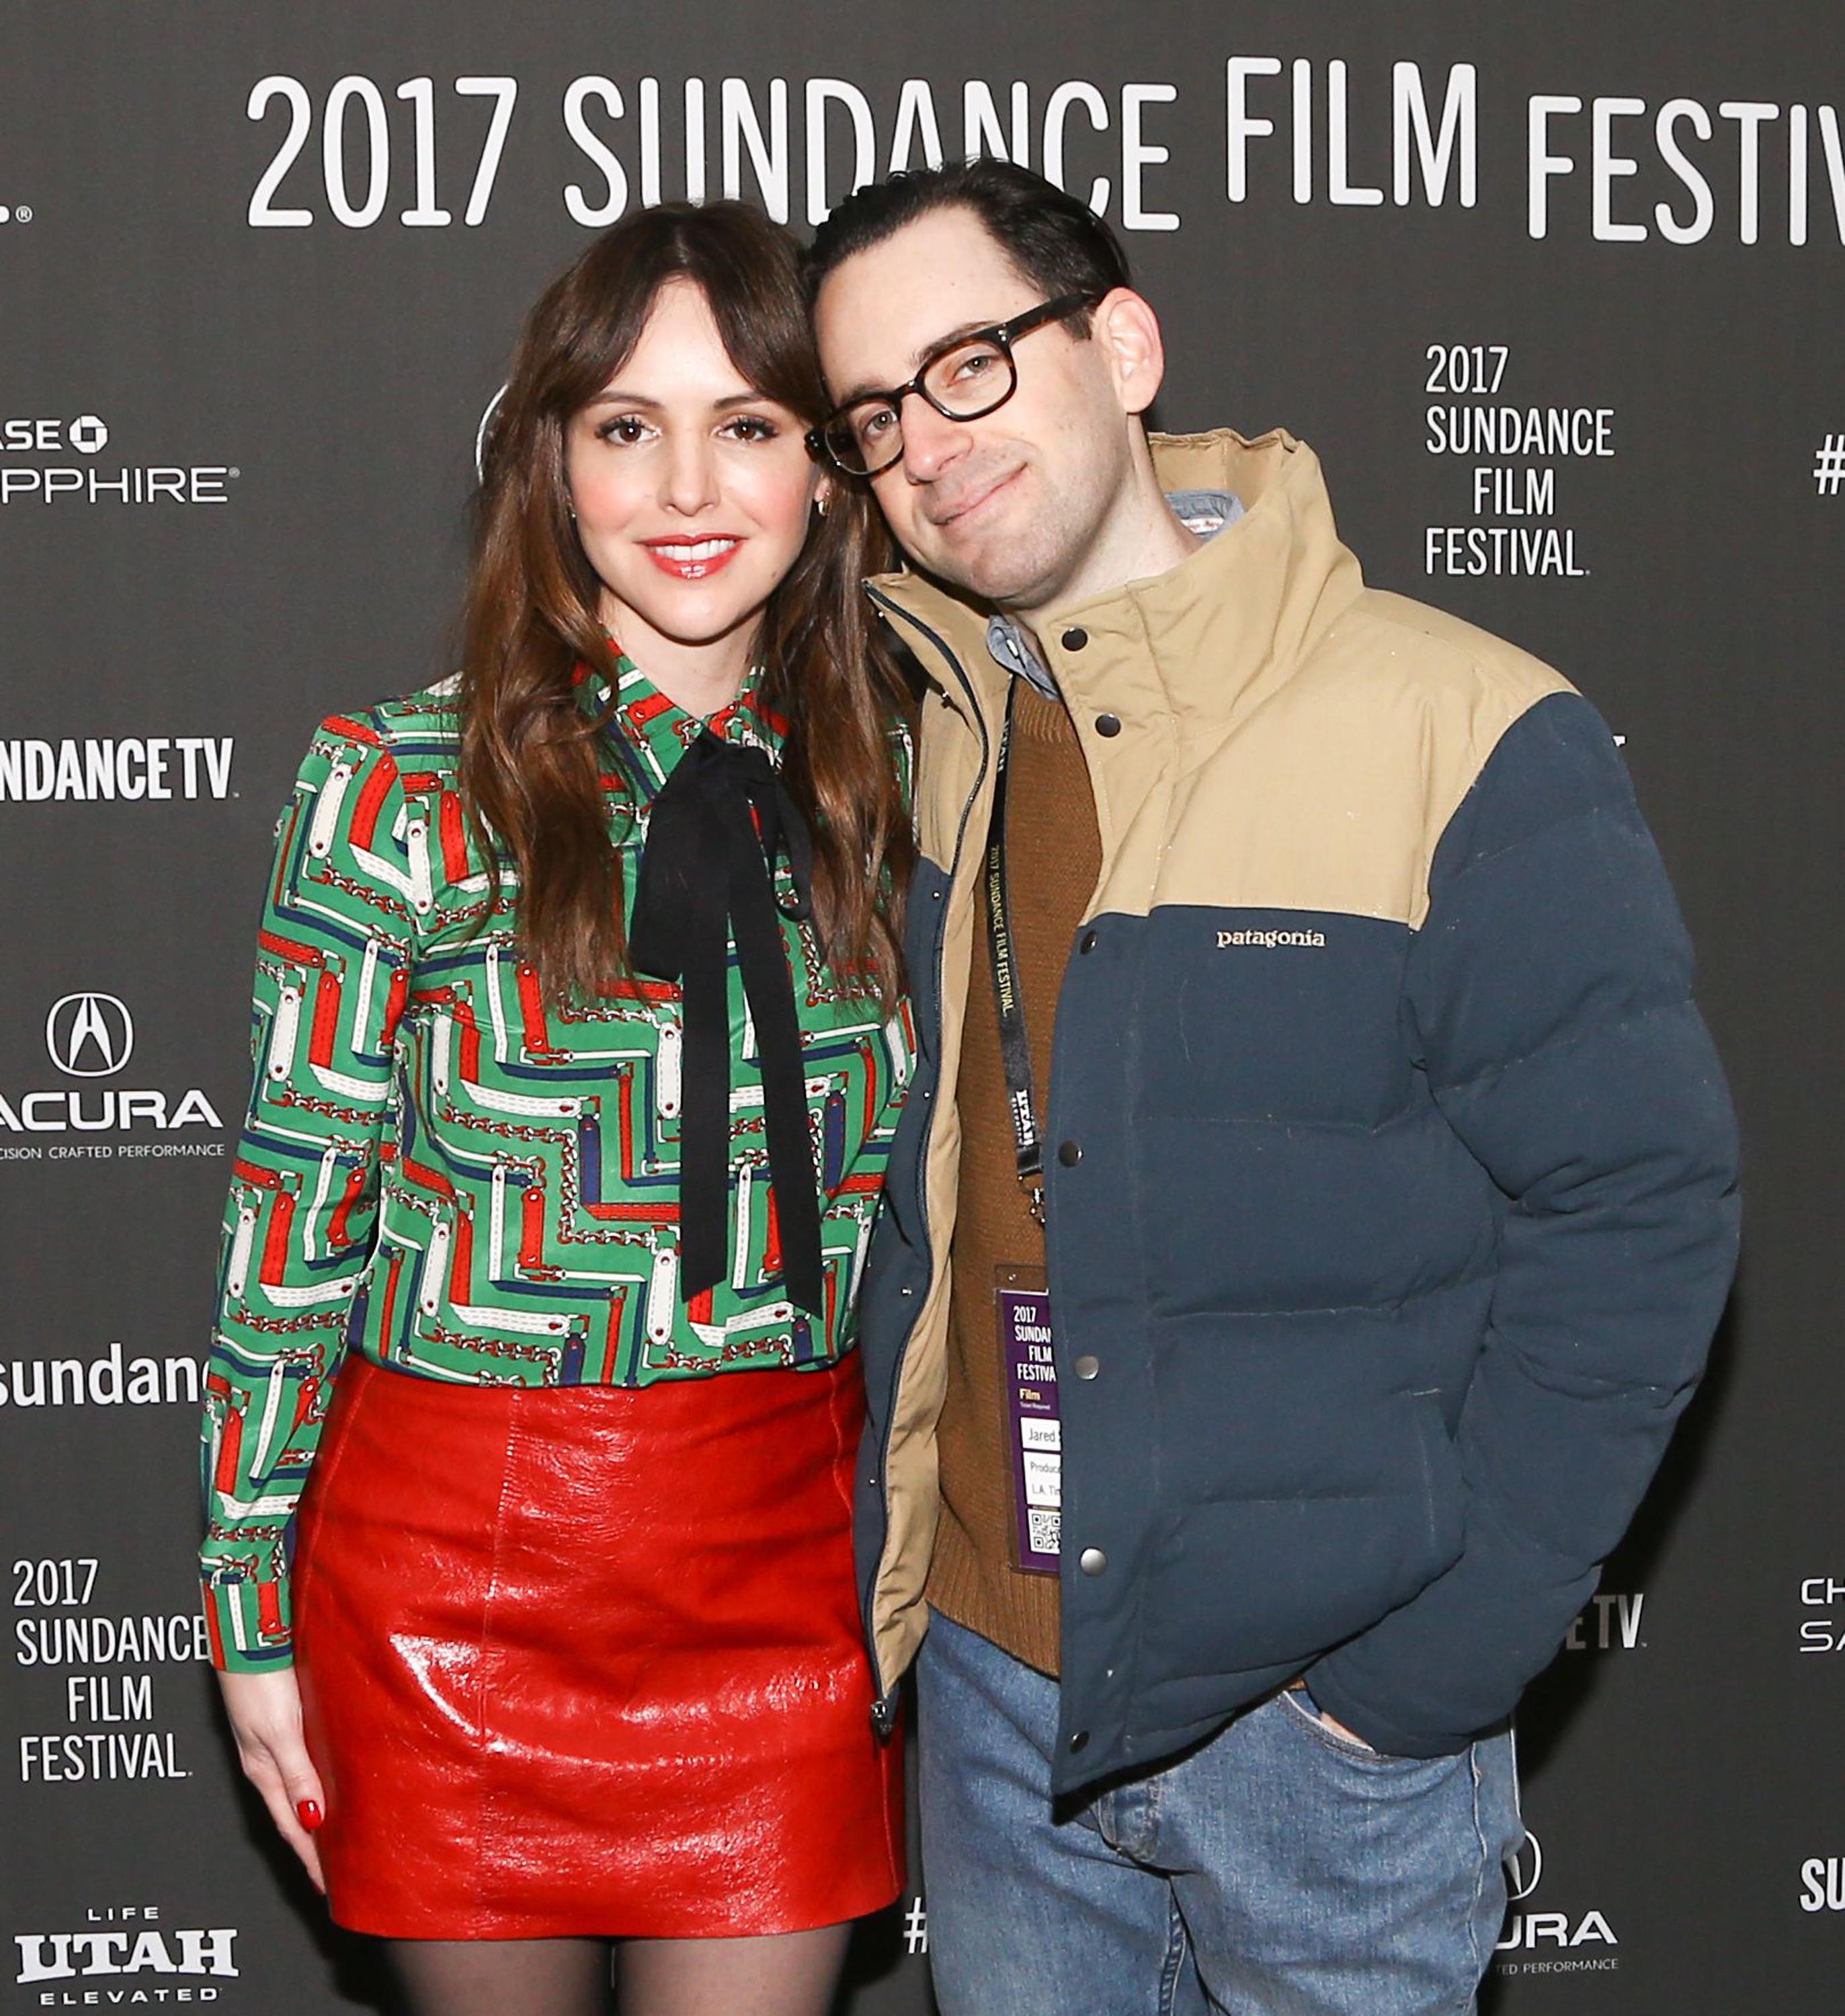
x,y
1206,639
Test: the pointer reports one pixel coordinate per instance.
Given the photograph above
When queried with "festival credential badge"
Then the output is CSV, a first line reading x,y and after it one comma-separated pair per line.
x,y
1034,1432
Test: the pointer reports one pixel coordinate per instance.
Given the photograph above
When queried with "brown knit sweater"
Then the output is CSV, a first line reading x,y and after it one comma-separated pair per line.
x,y
1053,856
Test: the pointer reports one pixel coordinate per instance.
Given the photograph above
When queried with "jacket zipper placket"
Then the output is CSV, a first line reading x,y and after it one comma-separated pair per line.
x,y
884,1709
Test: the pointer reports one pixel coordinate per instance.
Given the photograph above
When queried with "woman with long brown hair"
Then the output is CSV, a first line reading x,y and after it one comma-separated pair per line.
x,y
532,1407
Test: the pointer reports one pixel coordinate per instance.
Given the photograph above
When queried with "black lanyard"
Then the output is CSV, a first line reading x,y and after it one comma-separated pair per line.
x,y
1015,1052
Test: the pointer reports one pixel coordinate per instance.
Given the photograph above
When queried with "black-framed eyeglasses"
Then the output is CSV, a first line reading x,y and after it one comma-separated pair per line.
x,y
964,379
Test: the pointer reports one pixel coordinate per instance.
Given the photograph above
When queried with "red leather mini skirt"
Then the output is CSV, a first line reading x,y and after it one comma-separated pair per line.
x,y
588,1661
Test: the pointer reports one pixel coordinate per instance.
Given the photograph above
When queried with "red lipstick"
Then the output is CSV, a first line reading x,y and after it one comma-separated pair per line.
x,y
693,560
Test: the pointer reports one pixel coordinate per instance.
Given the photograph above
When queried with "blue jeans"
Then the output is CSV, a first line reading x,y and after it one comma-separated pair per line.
x,y
1279,1869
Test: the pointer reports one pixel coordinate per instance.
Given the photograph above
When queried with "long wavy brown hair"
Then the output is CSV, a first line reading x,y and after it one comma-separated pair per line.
x,y
530,782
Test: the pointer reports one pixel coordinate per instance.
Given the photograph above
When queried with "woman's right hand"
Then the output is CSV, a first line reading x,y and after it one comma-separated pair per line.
x,y
265,1713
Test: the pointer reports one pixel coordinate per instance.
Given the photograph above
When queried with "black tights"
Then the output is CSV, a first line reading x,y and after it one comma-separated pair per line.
x,y
791,1974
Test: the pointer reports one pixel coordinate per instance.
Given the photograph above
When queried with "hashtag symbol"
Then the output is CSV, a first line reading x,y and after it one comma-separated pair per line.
x,y
1829,466
916,1928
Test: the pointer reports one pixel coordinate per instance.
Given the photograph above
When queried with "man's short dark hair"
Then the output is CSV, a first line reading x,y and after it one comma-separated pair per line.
x,y
1058,244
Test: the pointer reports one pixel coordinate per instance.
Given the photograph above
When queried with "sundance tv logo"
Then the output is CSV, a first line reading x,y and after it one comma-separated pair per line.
x,y
108,767
91,1036
124,1942
40,464
1611,1623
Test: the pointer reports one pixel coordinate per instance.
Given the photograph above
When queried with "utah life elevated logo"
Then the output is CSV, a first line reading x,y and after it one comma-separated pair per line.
x,y
90,1037
118,1944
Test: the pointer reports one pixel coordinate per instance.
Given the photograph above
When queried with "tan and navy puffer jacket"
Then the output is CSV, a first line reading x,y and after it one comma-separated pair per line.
x,y
1391,1172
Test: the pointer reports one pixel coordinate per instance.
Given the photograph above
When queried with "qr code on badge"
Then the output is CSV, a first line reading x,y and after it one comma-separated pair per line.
x,y
1043,1531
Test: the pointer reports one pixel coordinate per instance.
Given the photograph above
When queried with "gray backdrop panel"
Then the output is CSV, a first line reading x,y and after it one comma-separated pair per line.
x,y
311,391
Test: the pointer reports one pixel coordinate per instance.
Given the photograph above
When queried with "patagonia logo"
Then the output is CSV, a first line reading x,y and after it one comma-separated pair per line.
x,y
1226,939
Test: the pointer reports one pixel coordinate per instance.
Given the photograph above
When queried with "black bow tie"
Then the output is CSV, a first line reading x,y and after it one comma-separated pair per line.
x,y
714,830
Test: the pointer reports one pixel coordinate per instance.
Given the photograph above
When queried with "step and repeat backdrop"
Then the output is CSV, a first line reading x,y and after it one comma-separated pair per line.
x,y
1557,293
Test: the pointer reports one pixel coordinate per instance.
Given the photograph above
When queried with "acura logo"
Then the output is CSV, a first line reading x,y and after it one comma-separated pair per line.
x,y
89,1036
1523,1869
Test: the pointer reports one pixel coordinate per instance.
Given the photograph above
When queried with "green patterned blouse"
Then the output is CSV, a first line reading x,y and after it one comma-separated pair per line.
x,y
464,1182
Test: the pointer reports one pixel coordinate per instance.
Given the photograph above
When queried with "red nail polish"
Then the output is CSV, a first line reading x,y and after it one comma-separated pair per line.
x,y
310,1813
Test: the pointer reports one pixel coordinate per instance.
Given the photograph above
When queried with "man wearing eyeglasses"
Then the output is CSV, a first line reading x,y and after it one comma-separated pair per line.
x,y
1259,1380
